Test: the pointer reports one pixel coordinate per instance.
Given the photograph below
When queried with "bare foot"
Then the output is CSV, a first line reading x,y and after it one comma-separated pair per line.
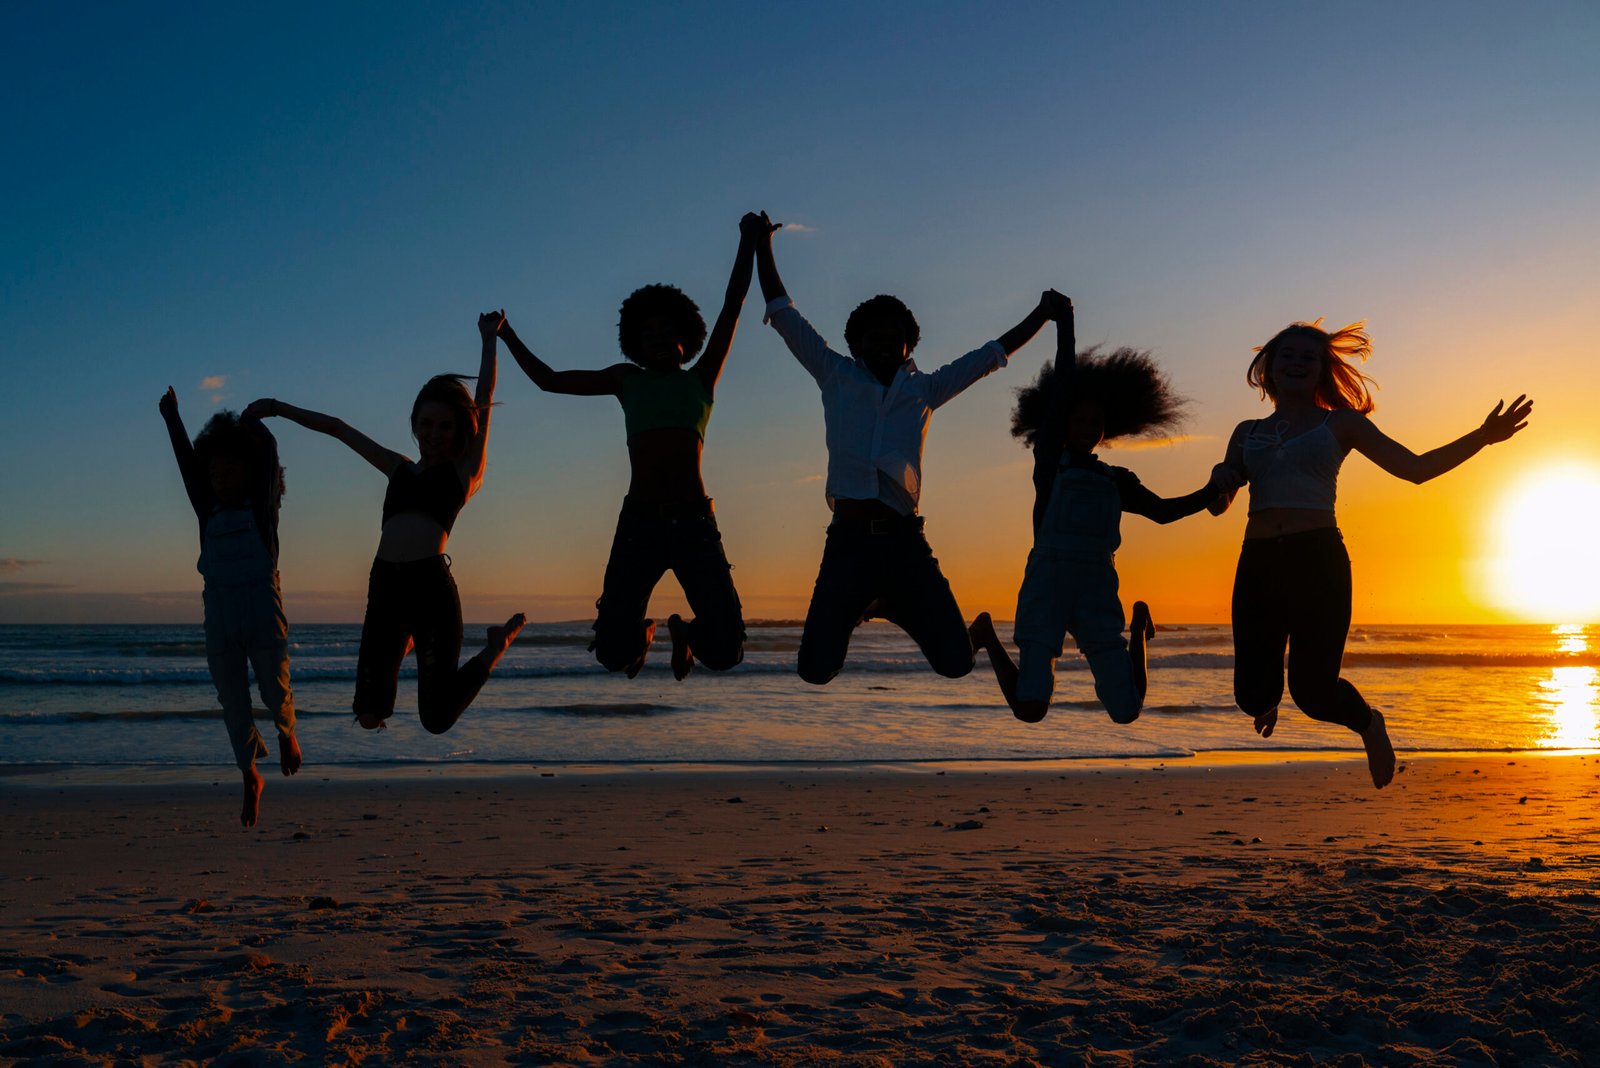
x,y
501,637
649,636
1380,754
1266,722
1141,621
253,782
983,634
288,753
682,655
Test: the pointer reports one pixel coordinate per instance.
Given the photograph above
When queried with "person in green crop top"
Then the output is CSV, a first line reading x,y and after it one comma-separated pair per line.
x,y
667,520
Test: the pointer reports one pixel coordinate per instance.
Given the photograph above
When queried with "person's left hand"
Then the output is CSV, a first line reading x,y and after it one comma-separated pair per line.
x,y
1499,425
489,322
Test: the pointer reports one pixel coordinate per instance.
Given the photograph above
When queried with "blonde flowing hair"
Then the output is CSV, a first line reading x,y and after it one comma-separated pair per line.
x,y
1341,384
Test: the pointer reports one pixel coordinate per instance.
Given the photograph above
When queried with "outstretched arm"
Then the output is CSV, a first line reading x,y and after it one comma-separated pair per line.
x,y
752,229
606,382
1140,500
767,267
950,380
1032,323
194,479
376,455
473,461
1401,462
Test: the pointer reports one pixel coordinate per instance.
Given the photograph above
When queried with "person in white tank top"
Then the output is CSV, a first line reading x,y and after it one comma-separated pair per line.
x,y
1292,589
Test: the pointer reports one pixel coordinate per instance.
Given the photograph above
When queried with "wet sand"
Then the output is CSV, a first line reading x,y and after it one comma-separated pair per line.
x,y
1201,912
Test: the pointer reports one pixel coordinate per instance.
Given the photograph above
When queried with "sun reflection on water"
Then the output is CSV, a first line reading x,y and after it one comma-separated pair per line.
x,y
1572,695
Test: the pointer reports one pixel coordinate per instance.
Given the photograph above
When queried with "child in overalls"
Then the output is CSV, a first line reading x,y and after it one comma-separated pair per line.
x,y
233,480
1070,585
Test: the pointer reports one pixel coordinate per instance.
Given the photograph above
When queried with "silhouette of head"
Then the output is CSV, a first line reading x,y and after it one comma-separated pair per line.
x,y
1122,394
444,417
882,333
1281,365
228,453
660,327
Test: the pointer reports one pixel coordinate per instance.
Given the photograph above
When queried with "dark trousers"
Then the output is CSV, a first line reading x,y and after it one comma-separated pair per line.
x,y
415,601
883,569
650,540
1293,592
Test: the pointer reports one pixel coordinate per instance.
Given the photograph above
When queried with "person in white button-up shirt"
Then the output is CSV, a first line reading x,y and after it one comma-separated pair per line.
x,y
876,404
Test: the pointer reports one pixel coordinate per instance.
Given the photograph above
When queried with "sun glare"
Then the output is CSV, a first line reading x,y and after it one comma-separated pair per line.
x,y
1542,563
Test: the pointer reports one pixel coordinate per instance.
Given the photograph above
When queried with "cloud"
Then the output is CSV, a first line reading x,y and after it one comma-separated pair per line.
x,y
810,478
11,563
214,382
1136,444
799,228
13,589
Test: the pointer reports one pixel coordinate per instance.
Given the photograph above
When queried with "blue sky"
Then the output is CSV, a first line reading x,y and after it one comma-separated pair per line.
x,y
315,203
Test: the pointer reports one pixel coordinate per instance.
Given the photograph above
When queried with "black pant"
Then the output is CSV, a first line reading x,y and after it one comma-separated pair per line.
x,y
1293,592
652,538
882,568
416,600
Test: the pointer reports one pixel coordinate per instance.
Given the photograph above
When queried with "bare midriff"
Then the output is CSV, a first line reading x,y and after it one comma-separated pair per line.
x,y
411,536
666,466
1276,522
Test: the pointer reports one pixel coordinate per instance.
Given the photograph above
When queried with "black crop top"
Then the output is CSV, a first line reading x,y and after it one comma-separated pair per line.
x,y
435,492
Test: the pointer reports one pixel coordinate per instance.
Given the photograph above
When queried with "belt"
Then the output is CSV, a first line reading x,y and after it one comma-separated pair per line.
x,y
906,524
669,511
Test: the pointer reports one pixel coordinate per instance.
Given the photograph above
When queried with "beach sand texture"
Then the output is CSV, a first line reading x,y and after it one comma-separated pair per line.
x,y
1198,913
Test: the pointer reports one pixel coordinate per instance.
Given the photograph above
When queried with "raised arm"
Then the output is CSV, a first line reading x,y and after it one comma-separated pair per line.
x,y
602,383
752,229
383,459
1047,444
1361,434
195,482
472,463
767,267
950,380
806,345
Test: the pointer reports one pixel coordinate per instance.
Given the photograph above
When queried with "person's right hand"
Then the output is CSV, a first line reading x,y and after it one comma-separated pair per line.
x,y
169,402
1057,307
1226,478
489,323
1503,422
756,227
260,409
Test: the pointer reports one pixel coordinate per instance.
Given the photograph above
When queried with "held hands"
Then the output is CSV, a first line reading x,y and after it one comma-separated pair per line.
x,y
1499,425
490,322
754,227
168,403
1056,307
1225,481
260,409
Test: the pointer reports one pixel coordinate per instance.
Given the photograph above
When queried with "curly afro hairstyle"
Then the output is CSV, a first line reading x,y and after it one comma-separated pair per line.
x,y
223,437
1135,396
671,304
881,306
1341,384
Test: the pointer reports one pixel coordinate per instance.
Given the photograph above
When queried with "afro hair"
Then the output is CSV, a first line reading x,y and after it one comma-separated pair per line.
x,y
1134,394
671,304
222,436
881,306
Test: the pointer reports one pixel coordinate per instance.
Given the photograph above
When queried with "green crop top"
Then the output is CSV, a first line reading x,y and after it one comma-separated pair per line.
x,y
662,400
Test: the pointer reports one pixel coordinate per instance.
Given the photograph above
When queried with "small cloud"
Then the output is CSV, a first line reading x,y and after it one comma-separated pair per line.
x,y
11,563
214,382
799,228
809,478
1136,444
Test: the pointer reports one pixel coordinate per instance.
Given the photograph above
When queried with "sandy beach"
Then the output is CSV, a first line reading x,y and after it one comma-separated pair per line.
x,y
1199,912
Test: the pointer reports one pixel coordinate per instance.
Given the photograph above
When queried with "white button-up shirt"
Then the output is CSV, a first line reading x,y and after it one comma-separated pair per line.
x,y
875,432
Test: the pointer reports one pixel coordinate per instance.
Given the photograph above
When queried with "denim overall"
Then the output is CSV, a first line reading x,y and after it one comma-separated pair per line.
x,y
1071,585
245,628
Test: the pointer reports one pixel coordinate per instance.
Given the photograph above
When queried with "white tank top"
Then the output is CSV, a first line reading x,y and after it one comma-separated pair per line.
x,y
1298,472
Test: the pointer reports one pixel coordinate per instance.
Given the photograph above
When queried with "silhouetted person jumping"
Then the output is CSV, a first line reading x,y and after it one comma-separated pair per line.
x,y
235,485
1070,586
876,405
411,595
667,521
1292,590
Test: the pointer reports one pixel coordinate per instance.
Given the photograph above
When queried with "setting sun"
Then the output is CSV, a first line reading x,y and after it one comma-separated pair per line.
x,y
1541,562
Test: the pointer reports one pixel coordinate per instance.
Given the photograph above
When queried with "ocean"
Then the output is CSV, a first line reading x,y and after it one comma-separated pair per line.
x,y
141,696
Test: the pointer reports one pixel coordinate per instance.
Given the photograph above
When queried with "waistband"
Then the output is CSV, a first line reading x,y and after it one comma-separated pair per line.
x,y
401,567
1299,537
905,524
670,511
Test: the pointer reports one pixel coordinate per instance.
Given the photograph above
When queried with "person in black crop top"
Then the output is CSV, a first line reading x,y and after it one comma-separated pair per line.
x,y
1292,590
667,520
411,597
1070,585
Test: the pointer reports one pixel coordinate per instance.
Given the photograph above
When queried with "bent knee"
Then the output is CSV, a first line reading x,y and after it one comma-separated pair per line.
x,y
817,674
954,667
1124,714
720,656
1030,711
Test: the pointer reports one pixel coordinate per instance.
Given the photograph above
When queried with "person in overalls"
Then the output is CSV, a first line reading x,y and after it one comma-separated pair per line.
x,y
1070,585
233,480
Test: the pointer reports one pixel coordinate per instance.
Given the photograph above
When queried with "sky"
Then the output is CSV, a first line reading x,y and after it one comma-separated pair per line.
x,y
314,202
